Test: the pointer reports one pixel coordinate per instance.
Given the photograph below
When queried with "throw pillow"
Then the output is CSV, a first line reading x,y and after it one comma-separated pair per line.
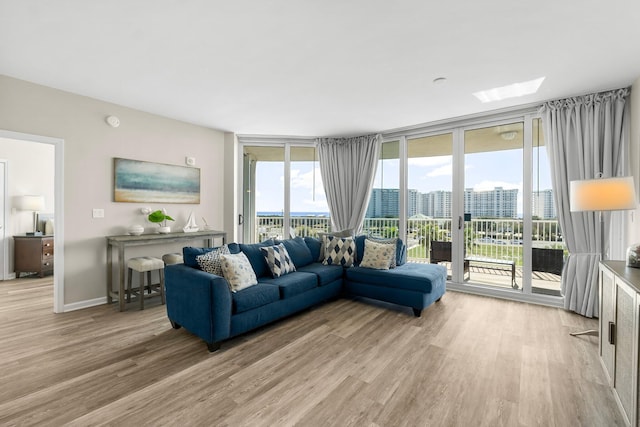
x,y
323,238
340,251
392,242
254,255
211,262
377,255
237,269
278,260
299,251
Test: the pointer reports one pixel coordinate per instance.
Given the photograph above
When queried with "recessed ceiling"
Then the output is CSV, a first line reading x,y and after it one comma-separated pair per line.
x,y
318,68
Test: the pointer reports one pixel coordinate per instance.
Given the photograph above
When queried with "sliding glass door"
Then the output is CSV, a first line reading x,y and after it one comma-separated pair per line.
x,y
493,204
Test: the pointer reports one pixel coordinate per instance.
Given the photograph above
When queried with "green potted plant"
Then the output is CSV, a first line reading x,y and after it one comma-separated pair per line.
x,y
160,217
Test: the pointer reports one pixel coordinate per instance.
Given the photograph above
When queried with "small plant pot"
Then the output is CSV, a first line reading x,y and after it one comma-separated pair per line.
x,y
164,230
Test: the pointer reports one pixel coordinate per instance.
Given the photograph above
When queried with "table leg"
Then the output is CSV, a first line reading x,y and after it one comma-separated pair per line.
x,y
121,277
109,273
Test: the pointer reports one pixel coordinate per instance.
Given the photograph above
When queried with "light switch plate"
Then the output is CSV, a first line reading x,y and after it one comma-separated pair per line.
x,y
98,213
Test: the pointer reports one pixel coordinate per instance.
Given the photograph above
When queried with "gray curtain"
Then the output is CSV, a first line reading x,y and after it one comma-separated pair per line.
x,y
348,167
585,136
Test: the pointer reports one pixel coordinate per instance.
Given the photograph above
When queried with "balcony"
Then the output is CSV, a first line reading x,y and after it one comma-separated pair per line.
x,y
497,239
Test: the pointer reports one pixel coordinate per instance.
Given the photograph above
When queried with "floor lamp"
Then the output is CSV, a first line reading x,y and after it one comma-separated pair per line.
x,y
598,195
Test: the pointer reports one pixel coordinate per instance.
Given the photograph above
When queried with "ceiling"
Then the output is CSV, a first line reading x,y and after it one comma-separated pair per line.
x,y
318,68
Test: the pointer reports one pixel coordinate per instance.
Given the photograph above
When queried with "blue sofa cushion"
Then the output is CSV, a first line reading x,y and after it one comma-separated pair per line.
x,y
315,246
293,283
410,276
255,256
299,252
401,249
189,254
254,297
326,273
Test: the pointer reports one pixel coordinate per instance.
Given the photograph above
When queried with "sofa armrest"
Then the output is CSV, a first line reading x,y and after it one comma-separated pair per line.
x,y
198,301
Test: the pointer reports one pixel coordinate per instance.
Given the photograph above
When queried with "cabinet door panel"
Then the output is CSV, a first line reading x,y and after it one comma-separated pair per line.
x,y
625,317
607,311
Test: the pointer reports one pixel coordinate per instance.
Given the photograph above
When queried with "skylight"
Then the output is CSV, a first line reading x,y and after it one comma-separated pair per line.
x,y
509,91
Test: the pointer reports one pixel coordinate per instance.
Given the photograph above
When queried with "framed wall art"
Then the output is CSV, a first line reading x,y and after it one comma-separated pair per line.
x,y
137,181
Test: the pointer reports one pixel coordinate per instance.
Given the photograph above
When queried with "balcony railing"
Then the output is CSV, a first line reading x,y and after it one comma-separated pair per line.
x,y
489,238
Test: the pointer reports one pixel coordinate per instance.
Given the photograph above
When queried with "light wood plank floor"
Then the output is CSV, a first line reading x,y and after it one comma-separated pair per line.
x,y
468,361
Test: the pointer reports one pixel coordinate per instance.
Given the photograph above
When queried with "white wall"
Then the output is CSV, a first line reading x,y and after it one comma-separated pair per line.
x,y
90,146
634,161
30,172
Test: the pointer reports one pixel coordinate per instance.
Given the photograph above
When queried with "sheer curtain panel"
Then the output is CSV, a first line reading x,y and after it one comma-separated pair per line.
x,y
585,136
348,167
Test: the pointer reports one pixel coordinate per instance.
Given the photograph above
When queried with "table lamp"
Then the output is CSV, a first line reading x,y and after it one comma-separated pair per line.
x,y
601,194
34,204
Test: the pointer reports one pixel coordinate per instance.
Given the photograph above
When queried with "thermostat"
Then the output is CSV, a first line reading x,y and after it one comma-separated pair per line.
x,y
190,161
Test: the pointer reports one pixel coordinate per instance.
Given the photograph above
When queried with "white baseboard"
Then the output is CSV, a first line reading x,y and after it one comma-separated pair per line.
x,y
85,304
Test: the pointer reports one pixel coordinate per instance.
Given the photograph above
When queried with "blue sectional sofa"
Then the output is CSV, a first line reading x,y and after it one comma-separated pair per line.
x,y
203,303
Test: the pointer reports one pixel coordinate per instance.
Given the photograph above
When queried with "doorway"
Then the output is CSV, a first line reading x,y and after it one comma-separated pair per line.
x,y
58,208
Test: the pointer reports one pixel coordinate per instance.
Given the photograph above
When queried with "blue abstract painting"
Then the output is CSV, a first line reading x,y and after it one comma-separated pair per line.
x,y
148,182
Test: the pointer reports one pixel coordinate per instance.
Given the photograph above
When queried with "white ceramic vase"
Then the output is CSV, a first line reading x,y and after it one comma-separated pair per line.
x,y
164,230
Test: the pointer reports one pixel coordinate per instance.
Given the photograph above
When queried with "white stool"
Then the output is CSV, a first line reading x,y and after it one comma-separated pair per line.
x,y
175,258
146,265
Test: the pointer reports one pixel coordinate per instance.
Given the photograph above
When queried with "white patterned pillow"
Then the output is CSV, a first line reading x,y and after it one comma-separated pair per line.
x,y
236,268
377,255
211,262
339,251
347,232
278,260
393,242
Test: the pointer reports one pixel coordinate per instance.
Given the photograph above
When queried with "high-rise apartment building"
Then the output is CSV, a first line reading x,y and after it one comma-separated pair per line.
x,y
544,206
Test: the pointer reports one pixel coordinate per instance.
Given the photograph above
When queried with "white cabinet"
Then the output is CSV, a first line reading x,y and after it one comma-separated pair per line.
x,y
620,333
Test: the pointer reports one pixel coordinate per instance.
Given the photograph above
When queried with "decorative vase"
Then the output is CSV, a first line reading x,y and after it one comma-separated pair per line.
x,y
164,230
135,230
633,255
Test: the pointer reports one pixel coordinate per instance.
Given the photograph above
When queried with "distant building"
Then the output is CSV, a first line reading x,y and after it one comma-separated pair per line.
x,y
384,203
437,204
543,206
496,203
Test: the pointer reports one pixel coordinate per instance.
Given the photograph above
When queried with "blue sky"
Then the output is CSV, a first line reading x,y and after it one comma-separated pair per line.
x,y
483,171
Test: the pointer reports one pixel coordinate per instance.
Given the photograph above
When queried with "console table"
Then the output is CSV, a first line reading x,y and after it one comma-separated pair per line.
x,y
123,241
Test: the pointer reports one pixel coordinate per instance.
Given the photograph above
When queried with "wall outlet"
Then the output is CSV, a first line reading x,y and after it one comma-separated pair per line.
x,y
98,213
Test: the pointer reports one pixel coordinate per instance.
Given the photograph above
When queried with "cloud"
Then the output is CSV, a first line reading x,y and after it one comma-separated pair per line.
x,y
446,170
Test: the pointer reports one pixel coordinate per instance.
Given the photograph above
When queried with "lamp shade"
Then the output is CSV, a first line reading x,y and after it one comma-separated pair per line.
x,y
602,194
30,203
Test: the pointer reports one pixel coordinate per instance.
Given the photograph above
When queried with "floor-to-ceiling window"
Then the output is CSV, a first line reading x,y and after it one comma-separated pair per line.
x,y
480,193
283,195
383,212
477,189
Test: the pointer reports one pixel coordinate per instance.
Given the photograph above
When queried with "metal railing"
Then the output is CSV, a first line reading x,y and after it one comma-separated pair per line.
x,y
490,238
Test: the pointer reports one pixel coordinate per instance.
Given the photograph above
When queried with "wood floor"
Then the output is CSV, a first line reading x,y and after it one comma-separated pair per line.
x,y
468,361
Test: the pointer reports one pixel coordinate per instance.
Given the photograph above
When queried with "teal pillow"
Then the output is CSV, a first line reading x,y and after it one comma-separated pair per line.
x,y
315,246
299,251
253,253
